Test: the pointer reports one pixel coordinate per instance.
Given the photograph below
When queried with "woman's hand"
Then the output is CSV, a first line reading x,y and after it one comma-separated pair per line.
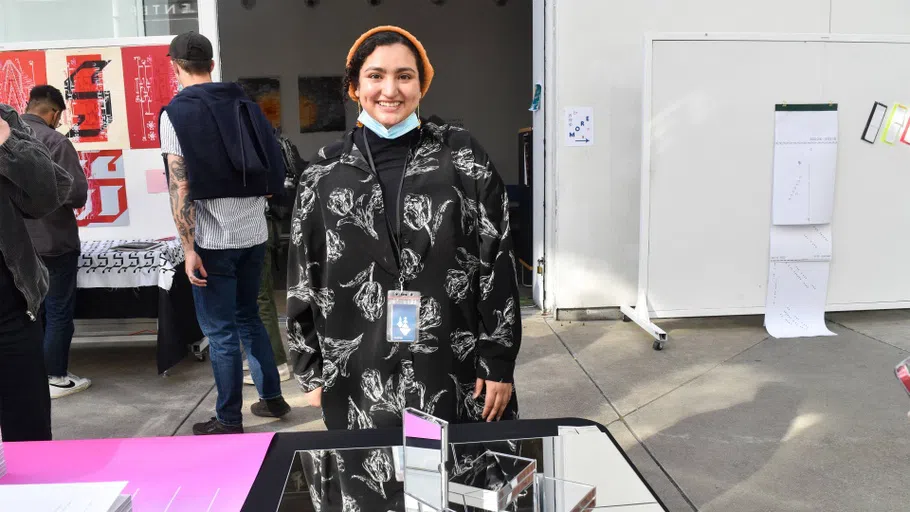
x,y
498,396
314,398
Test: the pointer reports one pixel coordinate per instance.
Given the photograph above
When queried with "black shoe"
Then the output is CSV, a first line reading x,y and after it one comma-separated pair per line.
x,y
274,408
213,426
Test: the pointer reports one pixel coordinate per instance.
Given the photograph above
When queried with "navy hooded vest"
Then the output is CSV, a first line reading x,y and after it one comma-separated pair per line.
x,y
228,144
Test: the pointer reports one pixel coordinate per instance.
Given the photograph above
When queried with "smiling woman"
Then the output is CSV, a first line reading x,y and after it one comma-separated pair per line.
x,y
388,74
402,286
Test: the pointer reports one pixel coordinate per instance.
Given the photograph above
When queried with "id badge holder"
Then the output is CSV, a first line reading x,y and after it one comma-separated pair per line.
x,y
403,316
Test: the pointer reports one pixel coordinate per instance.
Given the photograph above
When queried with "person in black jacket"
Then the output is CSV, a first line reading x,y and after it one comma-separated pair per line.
x,y
56,238
223,161
31,186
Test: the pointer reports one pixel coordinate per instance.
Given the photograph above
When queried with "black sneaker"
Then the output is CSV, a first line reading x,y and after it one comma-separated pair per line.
x,y
274,408
213,426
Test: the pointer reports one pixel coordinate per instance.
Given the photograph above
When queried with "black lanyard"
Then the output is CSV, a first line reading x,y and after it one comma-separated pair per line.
x,y
394,234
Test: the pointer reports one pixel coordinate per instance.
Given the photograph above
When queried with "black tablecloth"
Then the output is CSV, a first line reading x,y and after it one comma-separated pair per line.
x,y
270,482
174,309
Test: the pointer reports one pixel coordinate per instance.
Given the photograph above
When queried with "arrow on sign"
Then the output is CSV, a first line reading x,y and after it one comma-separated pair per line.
x,y
585,140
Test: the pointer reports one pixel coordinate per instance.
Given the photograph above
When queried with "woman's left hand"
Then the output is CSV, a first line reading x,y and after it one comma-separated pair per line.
x,y
498,396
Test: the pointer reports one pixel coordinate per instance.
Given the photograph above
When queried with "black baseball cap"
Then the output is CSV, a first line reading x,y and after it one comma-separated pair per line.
x,y
192,47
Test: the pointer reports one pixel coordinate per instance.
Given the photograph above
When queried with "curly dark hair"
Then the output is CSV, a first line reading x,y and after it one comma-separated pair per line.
x,y
352,72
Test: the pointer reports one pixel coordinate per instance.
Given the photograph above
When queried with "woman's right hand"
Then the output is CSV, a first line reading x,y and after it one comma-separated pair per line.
x,y
314,398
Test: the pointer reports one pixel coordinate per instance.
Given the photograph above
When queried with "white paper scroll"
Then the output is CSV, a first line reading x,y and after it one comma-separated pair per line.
x,y
805,160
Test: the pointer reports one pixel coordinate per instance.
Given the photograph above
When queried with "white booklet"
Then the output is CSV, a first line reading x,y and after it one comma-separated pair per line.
x,y
83,497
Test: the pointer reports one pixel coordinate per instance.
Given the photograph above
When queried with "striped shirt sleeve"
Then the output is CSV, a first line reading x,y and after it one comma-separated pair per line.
x,y
169,143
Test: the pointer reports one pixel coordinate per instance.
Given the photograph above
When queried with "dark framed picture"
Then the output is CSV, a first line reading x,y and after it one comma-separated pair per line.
x,y
266,92
321,104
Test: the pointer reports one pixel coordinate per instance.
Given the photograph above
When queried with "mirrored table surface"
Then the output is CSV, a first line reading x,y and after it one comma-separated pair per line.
x,y
577,466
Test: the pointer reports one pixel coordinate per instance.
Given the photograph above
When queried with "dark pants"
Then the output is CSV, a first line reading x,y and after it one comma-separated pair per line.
x,y
25,400
268,311
57,311
229,315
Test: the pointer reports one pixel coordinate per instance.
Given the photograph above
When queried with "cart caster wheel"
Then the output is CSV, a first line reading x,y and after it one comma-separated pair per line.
x,y
200,357
626,319
658,345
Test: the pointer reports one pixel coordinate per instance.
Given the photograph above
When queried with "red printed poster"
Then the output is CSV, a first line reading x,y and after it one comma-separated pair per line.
x,y
92,83
19,72
149,84
91,108
106,206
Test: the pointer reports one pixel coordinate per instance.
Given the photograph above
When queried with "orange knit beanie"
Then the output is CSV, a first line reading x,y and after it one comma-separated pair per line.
x,y
427,77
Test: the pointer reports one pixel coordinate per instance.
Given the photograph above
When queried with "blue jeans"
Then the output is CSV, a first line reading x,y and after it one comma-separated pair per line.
x,y
57,311
228,314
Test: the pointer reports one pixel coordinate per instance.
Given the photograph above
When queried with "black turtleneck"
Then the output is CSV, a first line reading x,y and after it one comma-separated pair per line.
x,y
389,156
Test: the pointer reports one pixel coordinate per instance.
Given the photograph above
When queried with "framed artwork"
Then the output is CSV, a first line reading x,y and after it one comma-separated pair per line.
x,y
321,104
266,92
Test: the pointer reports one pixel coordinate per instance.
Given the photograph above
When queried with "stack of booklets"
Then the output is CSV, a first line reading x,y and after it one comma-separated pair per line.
x,y
124,503
2,460
83,497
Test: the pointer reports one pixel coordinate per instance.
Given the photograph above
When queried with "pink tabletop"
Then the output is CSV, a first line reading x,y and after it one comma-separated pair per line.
x,y
173,474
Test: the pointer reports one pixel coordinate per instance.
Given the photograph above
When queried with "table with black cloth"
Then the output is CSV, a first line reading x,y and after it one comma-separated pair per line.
x,y
139,284
270,483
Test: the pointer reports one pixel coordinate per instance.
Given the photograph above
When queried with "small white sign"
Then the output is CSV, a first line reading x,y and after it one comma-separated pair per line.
x,y
579,126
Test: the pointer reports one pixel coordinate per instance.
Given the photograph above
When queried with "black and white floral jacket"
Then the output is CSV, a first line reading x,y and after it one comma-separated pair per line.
x,y
456,250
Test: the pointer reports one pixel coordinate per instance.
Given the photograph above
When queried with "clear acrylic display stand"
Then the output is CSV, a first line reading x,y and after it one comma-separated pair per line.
x,y
429,488
425,445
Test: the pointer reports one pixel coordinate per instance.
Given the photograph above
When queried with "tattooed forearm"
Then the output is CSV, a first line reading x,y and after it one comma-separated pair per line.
x,y
182,208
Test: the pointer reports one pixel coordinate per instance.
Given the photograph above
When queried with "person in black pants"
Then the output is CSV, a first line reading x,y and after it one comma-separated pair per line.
x,y
56,239
31,186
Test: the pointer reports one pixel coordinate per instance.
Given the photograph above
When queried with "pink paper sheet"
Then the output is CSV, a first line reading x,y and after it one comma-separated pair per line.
x,y
177,474
155,181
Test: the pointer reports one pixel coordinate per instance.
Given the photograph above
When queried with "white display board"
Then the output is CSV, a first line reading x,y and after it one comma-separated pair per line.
x,y
708,143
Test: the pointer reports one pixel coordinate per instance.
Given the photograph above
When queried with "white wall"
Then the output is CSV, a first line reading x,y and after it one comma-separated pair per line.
x,y
481,53
594,262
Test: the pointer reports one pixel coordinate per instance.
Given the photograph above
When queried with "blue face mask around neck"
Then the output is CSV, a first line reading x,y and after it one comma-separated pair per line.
x,y
394,132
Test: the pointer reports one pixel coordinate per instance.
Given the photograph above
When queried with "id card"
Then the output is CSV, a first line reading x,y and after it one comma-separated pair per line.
x,y
403,316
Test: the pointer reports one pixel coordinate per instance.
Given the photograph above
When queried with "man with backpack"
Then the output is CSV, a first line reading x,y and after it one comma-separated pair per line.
x,y
223,162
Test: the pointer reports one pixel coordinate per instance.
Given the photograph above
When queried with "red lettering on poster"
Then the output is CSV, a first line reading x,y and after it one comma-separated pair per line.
x,y
19,73
89,103
106,189
149,85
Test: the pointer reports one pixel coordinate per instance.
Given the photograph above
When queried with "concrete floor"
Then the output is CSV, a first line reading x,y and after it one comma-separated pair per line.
x,y
724,419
